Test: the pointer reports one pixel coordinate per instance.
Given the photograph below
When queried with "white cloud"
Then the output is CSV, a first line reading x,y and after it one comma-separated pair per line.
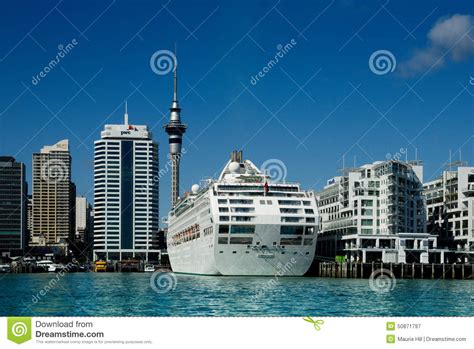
x,y
449,39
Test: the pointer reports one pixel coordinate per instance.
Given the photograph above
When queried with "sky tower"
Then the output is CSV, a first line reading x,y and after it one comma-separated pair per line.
x,y
175,130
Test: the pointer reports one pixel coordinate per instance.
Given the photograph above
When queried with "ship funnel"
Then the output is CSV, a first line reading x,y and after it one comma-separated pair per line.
x,y
236,156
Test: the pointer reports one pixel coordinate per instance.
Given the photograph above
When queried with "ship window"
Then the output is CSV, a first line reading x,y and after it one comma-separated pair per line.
x,y
222,240
289,202
224,218
223,229
307,203
289,230
262,202
222,201
310,230
308,241
242,229
291,241
310,220
269,202
241,201
241,240
309,211
223,209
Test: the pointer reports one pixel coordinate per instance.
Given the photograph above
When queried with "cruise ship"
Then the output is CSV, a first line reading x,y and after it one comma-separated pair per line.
x,y
243,223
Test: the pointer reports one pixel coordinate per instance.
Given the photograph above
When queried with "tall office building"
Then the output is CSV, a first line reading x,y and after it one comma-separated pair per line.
x,y
53,195
81,217
376,213
13,205
126,211
450,203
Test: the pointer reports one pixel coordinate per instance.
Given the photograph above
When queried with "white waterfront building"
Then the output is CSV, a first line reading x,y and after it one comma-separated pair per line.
x,y
450,204
376,212
125,193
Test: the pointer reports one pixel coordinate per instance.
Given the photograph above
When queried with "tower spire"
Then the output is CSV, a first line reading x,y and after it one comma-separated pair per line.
x,y
175,76
175,130
125,116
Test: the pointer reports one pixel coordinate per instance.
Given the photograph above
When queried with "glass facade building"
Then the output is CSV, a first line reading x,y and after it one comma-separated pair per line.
x,y
13,207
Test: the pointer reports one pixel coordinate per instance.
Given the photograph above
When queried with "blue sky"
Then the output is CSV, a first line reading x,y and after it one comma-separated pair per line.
x,y
319,102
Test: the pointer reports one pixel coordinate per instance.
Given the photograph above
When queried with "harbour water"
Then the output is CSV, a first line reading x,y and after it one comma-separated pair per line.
x,y
130,294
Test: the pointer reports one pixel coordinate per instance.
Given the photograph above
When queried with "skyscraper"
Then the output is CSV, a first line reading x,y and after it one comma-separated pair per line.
x,y
53,201
126,192
175,130
13,203
81,217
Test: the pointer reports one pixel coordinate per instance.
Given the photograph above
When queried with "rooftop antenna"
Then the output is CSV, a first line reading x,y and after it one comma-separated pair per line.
x,y
175,77
450,159
355,156
416,154
125,116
